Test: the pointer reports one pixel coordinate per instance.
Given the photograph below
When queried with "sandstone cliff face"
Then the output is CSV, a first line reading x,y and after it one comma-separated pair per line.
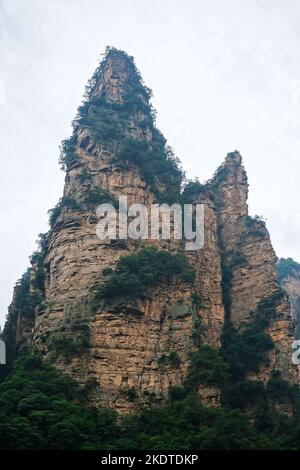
x,y
117,344
126,340
290,281
289,278
249,265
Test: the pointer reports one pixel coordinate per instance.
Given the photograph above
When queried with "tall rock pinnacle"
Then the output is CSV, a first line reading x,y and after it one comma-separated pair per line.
x,y
120,342
250,286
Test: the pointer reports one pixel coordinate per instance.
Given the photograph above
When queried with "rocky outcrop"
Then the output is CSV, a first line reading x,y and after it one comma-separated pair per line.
x,y
126,341
289,278
114,347
249,265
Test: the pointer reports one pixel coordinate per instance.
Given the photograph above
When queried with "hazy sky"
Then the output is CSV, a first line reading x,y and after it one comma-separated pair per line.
x,y
225,75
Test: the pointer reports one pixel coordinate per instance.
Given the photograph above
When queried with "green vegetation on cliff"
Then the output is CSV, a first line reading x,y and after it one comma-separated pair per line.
x,y
147,268
157,163
28,298
287,267
40,408
245,350
108,122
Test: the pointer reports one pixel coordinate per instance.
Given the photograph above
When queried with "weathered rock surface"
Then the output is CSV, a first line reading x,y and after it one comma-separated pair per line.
x,y
290,281
249,264
291,284
117,345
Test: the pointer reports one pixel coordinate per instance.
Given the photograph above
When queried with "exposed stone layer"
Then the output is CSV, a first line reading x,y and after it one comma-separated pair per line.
x,y
235,271
291,284
249,265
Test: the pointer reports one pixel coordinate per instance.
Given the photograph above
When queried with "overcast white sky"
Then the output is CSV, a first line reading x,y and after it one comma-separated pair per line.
x,y
225,76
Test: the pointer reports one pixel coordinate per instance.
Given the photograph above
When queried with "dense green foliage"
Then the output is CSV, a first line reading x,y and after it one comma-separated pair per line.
x,y
147,268
287,267
185,423
245,350
42,409
207,367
